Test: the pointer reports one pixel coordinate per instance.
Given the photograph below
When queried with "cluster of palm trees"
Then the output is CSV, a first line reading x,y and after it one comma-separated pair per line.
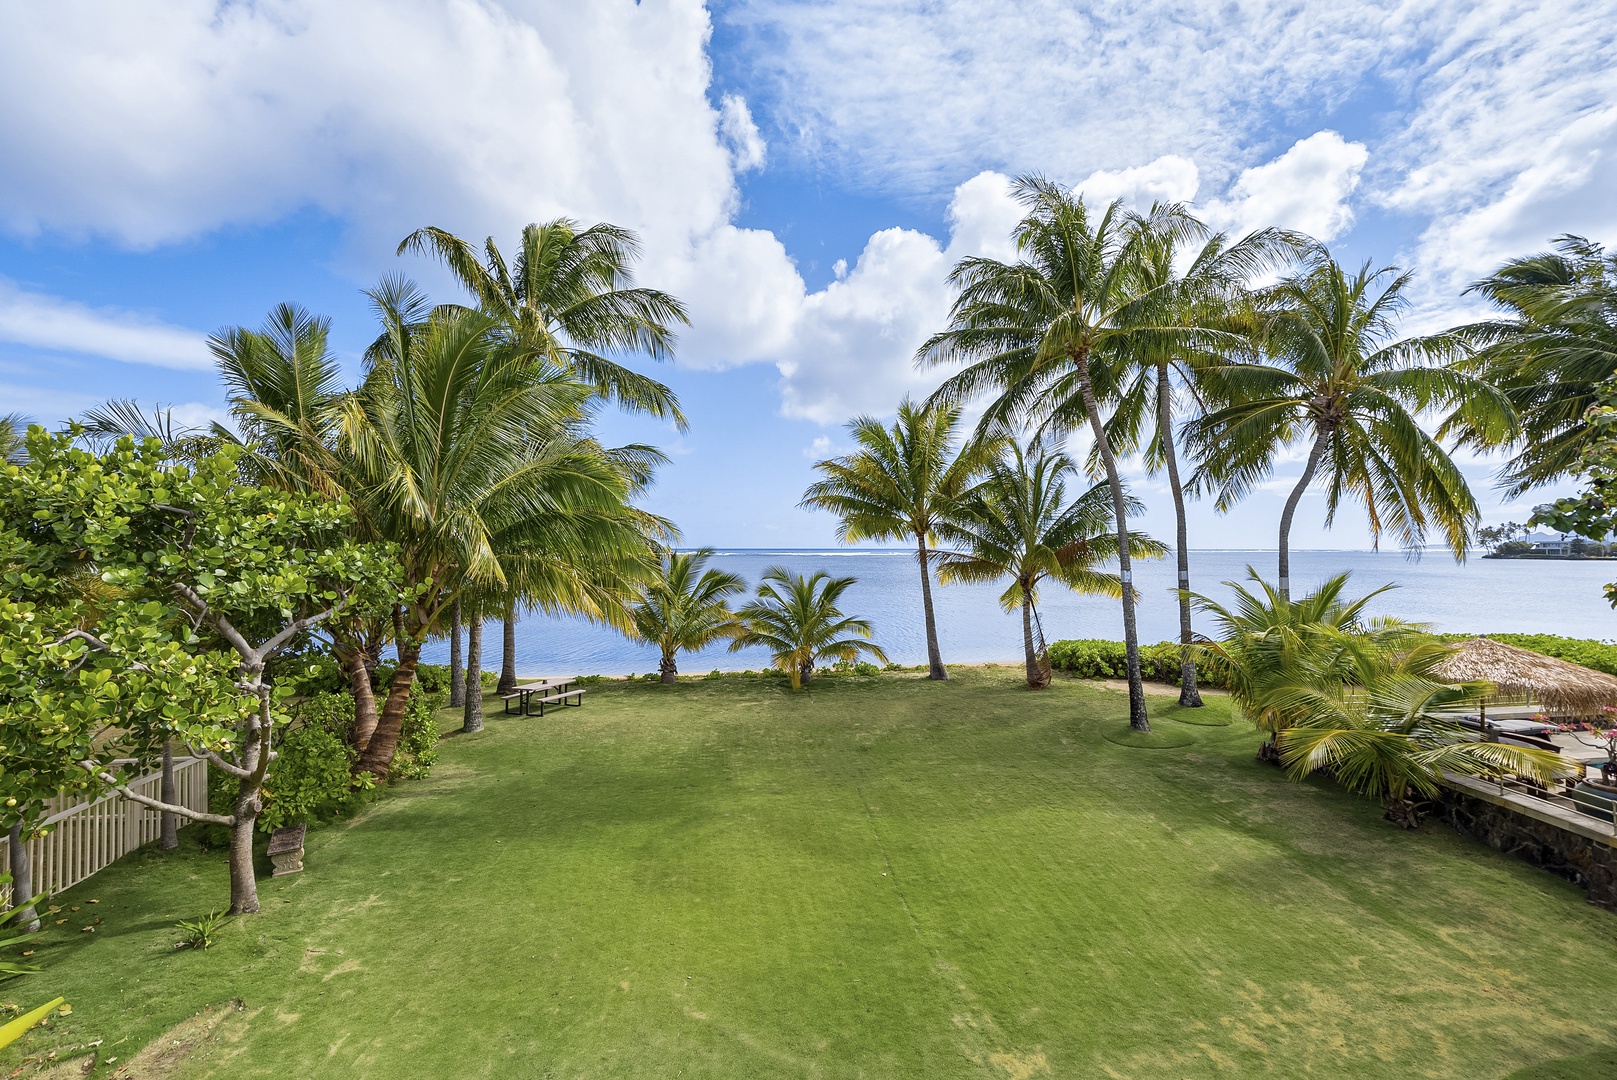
x,y
1149,334
797,618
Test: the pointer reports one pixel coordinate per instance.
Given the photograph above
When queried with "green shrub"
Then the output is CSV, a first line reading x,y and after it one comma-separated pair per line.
x,y
310,780
418,736
1098,658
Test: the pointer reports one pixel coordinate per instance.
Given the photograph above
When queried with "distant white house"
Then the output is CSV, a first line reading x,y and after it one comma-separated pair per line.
x,y
1550,543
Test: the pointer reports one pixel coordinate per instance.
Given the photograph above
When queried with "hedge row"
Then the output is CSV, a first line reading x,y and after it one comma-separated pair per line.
x,y
1098,658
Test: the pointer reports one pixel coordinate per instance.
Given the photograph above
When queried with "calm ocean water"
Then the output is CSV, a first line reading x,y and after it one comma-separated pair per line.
x,y
1483,595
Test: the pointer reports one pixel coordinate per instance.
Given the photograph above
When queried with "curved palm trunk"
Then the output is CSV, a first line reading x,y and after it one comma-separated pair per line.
x,y
457,674
357,670
1321,440
508,651
1189,695
377,758
1035,673
934,656
1131,638
472,706
668,668
168,826
22,880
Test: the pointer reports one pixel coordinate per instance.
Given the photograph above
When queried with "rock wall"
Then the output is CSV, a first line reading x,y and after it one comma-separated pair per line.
x,y
1579,859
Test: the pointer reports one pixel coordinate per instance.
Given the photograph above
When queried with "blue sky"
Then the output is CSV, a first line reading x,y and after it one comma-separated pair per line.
x,y
803,175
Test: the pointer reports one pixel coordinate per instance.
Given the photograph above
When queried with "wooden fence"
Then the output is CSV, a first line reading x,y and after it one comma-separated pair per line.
x,y
85,838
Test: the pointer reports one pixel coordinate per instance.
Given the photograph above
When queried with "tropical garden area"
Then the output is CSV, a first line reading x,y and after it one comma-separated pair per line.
x,y
1112,858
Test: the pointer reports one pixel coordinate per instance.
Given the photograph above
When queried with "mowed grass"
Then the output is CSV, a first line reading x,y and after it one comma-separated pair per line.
x,y
880,878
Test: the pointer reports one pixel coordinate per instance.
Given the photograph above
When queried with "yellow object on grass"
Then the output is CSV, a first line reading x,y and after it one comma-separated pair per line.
x,y
11,1032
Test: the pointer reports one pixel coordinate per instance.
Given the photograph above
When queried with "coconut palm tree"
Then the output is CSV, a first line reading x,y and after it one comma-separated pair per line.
x,y
901,483
464,450
568,298
684,608
1017,524
1053,333
103,425
1162,382
1388,736
797,619
1555,342
1336,379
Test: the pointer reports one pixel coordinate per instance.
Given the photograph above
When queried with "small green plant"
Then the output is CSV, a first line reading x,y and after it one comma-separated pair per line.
x,y
418,736
714,674
199,932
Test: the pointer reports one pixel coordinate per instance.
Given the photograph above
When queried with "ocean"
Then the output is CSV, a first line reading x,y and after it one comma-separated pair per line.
x,y
1481,595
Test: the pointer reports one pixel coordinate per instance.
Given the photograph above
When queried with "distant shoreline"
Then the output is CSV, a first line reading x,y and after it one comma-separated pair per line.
x,y
1534,557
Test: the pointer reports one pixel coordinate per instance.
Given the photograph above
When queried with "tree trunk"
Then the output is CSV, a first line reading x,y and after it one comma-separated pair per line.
x,y
457,674
1189,695
22,881
668,669
354,663
508,652
1321,440
472,692
934,657
1035,673
168,826
805,673
384,743
1138,720
243,882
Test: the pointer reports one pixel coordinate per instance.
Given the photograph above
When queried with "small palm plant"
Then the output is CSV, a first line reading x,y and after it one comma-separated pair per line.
x,y
684,608
1388,737
1016,523
797,619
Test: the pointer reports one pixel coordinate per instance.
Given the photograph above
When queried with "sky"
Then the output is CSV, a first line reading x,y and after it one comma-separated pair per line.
x,y
802,174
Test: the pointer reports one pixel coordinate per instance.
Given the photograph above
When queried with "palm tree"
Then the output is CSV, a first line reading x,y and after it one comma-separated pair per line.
x,y
464,450
1017,524
1549,353
684,608
1389,737
1210,292
1053,334
13,432
797,619
902,482
104,424
568,297
1337,379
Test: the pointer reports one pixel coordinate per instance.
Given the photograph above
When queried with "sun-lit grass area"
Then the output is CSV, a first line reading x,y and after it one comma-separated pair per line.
x,y
880,878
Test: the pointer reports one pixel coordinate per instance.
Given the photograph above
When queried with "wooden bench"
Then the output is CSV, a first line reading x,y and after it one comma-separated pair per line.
x,y
560,699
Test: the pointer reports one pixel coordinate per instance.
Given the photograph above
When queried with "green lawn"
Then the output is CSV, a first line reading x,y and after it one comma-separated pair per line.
x,y
879,878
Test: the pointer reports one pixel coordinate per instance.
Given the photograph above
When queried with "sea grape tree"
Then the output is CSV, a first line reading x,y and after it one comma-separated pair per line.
x,y
144,603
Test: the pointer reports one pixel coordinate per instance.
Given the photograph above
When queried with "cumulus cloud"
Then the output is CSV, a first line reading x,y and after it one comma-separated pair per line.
x,y
1170,178
47,322
1305,189
747,148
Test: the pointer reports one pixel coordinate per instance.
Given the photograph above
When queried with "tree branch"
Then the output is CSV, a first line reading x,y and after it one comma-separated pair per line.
x,y
96,645
155,804
270,647
222,765
220,623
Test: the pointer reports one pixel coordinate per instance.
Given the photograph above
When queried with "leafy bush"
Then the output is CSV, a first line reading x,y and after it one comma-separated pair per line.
x,y
309,672
1098,658
310,780
418,736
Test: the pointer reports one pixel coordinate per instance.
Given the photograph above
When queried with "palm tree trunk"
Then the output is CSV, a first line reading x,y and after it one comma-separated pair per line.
x,y
1321,440
168,826
934,657
1189,696
1131,638
352,657
457,674
22,880
668,669
377,758
508,652
1035,675
472,706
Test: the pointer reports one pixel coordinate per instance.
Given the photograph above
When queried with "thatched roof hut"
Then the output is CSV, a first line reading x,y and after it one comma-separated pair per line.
x,y
1560,687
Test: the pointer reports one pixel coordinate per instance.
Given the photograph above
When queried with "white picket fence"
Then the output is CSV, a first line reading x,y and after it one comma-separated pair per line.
x,y
87,837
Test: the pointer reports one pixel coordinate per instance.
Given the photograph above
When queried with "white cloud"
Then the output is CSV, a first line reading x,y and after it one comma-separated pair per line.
x,y
747,148
819,449
1170,178
46,322
1306,189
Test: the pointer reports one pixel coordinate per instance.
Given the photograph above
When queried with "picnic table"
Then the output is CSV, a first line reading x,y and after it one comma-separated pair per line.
x,y
542,692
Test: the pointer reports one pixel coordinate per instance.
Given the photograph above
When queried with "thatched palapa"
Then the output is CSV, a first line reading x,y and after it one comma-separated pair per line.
x,y
1557,685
